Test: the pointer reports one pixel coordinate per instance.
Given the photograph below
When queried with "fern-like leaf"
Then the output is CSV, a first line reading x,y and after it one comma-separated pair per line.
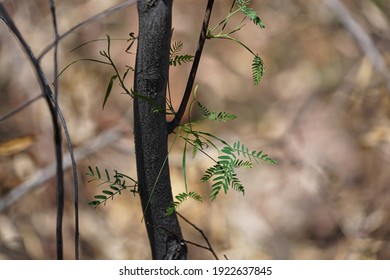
x,y
180,198
179,59
174,56
223,174
216,116
257,70
237,185
176,48
115,186
253,156
243,163
197,145
249,12
206,112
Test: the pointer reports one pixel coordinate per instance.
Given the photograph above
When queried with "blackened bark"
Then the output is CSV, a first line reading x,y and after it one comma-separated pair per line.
x,y
150,129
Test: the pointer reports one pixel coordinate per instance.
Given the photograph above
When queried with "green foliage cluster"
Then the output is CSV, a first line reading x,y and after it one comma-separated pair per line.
x,y
115,186
222,174
249,12
240,6
175,58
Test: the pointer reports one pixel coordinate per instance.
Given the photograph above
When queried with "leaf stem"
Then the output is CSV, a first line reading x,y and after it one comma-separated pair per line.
x,y
191,79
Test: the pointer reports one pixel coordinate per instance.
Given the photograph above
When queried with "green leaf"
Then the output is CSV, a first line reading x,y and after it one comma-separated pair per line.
x,y
224,159
179,59
198,144
94,203
127,71
180,198
214,192
90,173
101,197
204,110
171,209
249,12
176,48
257,70
175,58
108,90
108,192
98,173
216,116
107,175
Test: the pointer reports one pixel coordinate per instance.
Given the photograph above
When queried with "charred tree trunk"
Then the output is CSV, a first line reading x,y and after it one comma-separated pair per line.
x,y
150,129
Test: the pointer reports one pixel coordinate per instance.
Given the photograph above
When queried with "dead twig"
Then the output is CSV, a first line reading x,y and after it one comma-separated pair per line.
x,y
208,247
85,22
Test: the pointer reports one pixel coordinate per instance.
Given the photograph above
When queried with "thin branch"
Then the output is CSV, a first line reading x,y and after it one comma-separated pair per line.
x,y
58,141
20,108
209,248
85,22
191,79
47,93
186,241
56,37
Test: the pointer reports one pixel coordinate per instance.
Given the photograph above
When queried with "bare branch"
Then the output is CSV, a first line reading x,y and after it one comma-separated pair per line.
x,y
209,247
58,140
55,110
19,108
191,79
85,22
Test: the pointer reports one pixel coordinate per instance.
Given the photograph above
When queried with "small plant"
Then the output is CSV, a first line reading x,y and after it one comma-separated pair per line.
x,y
115,186
241,7
152,103
222,175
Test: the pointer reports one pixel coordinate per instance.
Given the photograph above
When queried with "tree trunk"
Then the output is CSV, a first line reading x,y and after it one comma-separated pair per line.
x,y
150,129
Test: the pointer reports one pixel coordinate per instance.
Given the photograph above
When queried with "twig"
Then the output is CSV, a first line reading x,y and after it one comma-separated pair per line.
x,y
185,241
209,248
20,108
46,91
48,95
85,22
363,39
58,141
191,79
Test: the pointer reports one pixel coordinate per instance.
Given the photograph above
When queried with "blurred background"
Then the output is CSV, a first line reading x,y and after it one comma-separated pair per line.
x,y
321,110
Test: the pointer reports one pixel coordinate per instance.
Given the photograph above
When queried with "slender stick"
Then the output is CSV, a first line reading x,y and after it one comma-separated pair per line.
x,y
19,108
191,79
209,248
58,142
48,95
85,22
